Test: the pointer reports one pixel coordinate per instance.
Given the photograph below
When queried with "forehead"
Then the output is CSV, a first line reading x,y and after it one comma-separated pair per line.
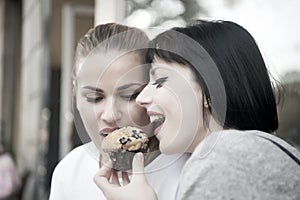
x,y
105,67
182,76
160,65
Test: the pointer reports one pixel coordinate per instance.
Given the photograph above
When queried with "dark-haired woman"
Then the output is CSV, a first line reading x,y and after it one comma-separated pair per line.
x,y
210,94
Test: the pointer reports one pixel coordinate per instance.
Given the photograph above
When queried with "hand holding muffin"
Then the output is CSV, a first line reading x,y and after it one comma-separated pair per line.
x,y
134,189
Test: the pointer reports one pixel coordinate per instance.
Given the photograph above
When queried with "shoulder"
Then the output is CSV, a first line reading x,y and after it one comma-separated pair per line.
x,y
72,156
234,143
73,172
238,164
79,156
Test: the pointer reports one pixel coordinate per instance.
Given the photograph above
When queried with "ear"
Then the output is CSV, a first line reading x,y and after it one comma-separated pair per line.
x,y
74,94
206,102
74,87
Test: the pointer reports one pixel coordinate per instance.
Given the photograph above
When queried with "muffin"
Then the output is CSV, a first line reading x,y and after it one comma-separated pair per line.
x,y
122,144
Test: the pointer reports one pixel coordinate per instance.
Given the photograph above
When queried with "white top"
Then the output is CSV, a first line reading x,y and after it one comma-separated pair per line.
x,y
73,176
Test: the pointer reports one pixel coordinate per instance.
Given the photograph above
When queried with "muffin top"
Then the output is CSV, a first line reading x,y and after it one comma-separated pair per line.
x,y
126,138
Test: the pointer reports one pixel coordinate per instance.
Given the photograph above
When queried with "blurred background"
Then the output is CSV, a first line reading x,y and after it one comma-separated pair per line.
x,y
37,42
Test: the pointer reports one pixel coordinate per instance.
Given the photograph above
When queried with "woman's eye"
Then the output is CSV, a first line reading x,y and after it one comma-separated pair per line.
x,y
93,98
159,82
130,97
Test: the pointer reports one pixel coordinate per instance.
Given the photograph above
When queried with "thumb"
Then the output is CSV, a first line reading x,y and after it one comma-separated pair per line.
x,y
138,167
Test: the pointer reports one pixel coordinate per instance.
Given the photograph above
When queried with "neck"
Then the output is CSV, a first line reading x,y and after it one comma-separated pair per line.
x,y
203,133
214,126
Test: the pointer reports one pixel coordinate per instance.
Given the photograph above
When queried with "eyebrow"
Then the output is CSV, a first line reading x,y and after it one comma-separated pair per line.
x,y
152,71
93,88
123,87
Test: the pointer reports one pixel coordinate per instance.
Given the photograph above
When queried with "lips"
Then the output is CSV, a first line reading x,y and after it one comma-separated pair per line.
x,y
157,120
104,132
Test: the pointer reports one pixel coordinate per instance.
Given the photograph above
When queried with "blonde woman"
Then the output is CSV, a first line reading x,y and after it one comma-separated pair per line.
x,y
109,73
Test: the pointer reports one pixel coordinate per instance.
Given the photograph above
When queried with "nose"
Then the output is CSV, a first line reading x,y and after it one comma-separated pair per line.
x,y
110,112
144,99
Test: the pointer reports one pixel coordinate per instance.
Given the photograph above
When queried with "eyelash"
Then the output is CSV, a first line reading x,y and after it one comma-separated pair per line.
x,y
159,82
133,96
93,98
130,97
96,99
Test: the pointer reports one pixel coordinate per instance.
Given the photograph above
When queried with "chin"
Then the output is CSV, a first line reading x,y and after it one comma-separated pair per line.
x,y
169,150
97,143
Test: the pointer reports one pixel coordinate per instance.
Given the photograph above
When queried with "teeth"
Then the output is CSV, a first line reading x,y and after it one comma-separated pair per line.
x,y
104,134
154,118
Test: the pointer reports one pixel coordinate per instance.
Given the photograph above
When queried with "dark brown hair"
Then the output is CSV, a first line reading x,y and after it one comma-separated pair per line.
x,y
250,98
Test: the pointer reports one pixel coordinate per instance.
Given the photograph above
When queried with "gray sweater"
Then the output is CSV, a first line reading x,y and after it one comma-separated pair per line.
x,y
241,165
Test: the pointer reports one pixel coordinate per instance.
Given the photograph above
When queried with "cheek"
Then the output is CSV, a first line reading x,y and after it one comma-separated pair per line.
x,y
83,109
182,125
87,115
138,115
90,124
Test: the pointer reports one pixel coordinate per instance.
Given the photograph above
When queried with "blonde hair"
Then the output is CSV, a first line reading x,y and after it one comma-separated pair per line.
x,y
105,38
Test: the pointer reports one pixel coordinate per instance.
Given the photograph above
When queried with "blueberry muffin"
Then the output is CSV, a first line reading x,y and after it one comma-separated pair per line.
x,y
122,144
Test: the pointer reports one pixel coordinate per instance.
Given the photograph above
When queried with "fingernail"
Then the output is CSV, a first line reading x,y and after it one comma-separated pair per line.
x,y
139,156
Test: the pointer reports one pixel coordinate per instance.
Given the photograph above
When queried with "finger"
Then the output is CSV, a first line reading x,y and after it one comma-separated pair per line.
x,y
104,171
104,158
109,164
106,168
125,178
114,178
138,163
108,175
102,182
138,167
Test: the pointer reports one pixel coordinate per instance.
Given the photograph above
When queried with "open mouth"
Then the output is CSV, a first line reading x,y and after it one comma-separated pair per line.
x,y
157,121
105,132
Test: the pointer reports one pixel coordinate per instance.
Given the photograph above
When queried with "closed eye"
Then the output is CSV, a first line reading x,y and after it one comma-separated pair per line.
x,y
93,97
159,82
130,97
